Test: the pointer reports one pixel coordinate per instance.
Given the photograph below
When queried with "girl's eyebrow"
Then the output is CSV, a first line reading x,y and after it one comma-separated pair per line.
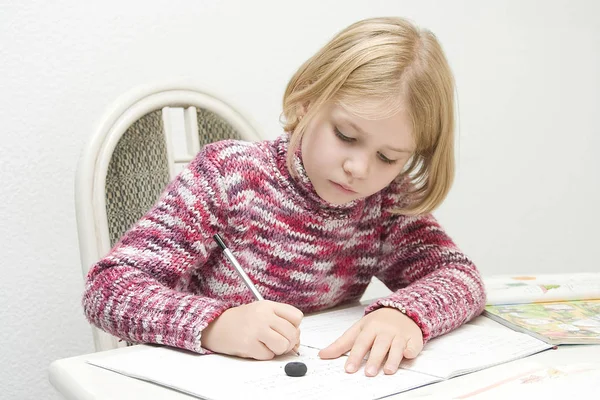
x,y
359,129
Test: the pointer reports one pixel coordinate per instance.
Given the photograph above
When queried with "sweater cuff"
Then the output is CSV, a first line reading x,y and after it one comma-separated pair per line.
x,y
188,333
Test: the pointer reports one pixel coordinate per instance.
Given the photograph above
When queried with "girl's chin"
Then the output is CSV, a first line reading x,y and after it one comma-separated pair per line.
x,y
338,200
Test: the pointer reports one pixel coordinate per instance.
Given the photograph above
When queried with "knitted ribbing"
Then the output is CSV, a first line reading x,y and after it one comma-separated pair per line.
x,y
166,279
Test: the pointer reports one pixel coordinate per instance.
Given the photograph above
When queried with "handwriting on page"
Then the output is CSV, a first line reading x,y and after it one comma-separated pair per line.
x,y
326,378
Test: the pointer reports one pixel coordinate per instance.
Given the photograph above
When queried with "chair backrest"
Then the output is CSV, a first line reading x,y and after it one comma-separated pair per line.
x,y
141,144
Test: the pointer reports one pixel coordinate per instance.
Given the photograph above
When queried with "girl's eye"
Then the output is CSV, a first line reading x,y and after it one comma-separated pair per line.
x,y
385,159
348,139
343,137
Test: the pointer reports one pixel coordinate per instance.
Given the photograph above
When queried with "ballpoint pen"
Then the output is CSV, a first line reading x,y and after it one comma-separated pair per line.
x,y
238,267
240,270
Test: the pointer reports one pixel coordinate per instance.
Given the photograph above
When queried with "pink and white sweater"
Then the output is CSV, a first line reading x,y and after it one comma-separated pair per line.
x,y
166,278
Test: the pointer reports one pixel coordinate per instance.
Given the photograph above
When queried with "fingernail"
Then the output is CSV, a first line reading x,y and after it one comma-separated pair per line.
x,y
389,370
371,371
350,368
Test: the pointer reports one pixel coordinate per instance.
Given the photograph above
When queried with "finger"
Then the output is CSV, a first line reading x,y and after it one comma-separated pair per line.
x,y
277,343
413,348
289,313
394,356
259,351
342,344
287,330
297,345
379,350
361,346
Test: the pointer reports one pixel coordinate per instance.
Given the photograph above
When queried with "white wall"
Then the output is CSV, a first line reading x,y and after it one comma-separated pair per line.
x,y
527,187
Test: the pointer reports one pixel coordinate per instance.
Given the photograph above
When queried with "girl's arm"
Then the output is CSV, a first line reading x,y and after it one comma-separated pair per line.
x,y
434,283
135,292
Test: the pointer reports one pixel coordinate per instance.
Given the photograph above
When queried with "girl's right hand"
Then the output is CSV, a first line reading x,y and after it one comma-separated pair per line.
x,y
259,330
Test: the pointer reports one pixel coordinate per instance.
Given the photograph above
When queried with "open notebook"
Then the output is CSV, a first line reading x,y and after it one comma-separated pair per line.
x,y
218,377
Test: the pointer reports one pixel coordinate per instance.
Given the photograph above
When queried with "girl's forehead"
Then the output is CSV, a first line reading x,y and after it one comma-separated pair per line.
x,y
370,108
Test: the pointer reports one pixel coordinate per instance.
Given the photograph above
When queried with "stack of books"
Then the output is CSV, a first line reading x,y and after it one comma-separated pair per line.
x,y
557,309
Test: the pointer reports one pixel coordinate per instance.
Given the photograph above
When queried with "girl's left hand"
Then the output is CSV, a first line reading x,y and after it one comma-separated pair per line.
x,y
385,332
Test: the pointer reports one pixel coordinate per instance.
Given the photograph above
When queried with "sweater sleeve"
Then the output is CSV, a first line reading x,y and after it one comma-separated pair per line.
x,y
136,291
433,283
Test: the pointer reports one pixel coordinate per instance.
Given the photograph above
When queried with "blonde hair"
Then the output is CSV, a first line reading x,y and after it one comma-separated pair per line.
x,y
388,60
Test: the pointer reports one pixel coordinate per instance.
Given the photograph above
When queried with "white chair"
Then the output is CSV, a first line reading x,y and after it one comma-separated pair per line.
x,y
134,154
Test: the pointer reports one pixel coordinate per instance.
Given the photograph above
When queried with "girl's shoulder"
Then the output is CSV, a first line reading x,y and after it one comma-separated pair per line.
x,y
229,147
237,156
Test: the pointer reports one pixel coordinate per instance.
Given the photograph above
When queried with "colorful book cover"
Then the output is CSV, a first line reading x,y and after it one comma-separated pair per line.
x,y
568,322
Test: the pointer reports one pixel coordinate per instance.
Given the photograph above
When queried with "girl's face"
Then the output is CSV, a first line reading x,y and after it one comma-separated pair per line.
x,y
347,157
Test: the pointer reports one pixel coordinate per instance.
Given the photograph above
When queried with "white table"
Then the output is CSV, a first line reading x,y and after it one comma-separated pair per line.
x,y
77,380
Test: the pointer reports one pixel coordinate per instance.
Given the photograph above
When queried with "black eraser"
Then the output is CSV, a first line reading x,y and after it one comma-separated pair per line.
x,y
295,369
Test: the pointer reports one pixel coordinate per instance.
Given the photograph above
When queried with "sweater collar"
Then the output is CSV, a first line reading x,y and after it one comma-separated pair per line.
x,y
301,187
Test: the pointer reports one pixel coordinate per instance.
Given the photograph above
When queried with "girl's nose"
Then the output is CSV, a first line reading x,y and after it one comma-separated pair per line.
x,y
357,166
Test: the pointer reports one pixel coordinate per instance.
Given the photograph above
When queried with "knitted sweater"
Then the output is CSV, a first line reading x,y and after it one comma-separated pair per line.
x,y
166,279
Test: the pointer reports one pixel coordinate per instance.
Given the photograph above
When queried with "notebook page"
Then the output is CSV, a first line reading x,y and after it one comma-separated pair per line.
x,y
320,330
470,348
217,377
466,349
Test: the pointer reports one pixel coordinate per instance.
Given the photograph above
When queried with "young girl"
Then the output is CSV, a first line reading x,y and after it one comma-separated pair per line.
x,y
344,194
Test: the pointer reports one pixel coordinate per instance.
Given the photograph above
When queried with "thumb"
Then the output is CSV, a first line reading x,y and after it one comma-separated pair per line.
x,y
342,345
